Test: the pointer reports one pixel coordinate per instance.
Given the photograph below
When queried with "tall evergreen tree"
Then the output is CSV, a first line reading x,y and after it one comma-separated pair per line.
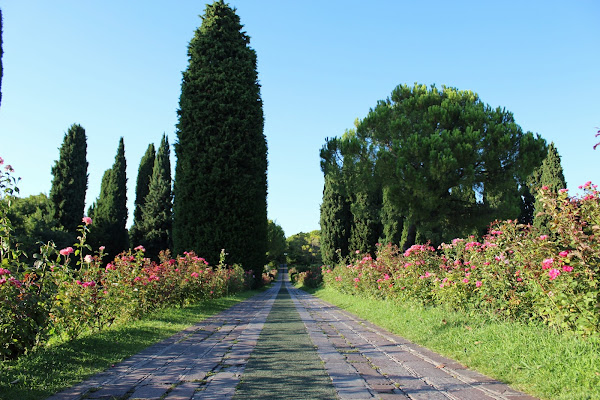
x,y
549,174
366,221
220,184
336,222
141,191
109,211
70,180
392,220
157,218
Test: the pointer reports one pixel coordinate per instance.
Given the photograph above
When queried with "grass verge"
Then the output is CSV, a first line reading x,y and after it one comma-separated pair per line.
x,y
532,358
48,370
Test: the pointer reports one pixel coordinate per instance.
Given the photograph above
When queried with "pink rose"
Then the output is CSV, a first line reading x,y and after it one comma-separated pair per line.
x,y
547,263
66,251
553,273
478,283
87,220
88,259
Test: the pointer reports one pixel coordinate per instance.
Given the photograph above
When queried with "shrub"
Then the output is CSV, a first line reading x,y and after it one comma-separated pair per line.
x,y
513,271
69,291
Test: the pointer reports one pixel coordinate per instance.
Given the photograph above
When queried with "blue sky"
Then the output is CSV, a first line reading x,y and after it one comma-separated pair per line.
x,y
115,68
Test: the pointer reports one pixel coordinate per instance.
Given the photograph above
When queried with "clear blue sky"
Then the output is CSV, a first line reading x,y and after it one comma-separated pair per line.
x,y
115,67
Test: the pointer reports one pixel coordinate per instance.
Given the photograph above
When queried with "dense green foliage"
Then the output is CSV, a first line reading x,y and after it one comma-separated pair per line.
x,y
277,245
550,175
304,249
157,219
141,191
109,211
33,224
70,179
336,222
220,184
366,221
392,221
513,271
449,163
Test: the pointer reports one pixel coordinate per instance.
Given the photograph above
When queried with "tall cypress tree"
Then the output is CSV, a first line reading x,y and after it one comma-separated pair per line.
x,y
549,174
109,211
220,184
141,191
366,221
69,184
336,222
157,218
392,220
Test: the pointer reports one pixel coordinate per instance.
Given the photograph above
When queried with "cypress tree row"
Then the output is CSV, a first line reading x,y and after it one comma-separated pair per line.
x,y
549,174
336,222
109,211
70,180
141,191
157,219
220,184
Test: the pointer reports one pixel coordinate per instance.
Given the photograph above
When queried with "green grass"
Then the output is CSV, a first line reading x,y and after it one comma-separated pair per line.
x,y
48,370
284,363
531,358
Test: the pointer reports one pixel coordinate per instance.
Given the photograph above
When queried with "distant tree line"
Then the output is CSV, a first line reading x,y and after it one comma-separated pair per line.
x,y
429,165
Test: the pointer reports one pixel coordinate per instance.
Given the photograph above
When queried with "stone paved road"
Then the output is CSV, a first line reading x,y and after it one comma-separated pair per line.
x,y
206,361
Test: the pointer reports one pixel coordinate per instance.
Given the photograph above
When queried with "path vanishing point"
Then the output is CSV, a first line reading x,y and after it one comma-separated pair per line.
x,y
287,344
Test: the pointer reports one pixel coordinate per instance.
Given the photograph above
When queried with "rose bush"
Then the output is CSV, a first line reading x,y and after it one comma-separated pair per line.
x,y
513,271
72,290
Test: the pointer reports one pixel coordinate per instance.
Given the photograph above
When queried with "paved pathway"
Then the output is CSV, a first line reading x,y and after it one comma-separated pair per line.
x,y
206,361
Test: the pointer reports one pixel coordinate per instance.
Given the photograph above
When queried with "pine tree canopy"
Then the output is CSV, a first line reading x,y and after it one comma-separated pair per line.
x,y
70,180
454,163
220,183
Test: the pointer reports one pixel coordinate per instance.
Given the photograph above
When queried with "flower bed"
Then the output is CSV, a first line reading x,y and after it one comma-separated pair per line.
x,y
72,290
513,271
